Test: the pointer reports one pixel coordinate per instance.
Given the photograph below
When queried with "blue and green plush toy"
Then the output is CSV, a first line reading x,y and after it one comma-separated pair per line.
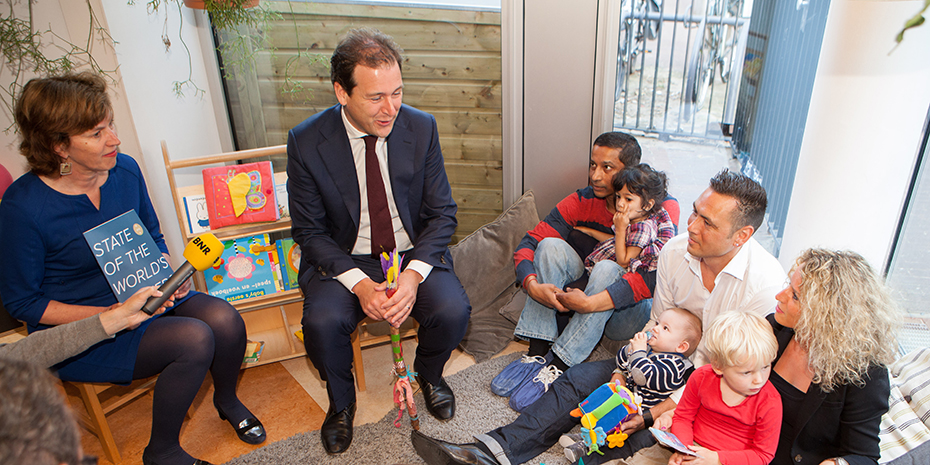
x,y
602,413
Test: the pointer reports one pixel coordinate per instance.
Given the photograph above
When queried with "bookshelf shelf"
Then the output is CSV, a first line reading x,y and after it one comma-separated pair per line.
x,y
269,318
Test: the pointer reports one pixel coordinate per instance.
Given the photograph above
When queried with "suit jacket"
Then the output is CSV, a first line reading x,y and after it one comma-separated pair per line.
x,y
324,197
843,423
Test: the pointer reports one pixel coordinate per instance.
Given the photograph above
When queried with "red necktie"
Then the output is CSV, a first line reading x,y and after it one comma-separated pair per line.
x,y
382,229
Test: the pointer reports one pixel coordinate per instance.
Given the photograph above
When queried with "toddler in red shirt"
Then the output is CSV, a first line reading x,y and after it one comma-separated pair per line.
x,y
729,410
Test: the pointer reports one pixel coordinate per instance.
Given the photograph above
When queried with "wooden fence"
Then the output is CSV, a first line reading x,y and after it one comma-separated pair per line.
x,y
451,69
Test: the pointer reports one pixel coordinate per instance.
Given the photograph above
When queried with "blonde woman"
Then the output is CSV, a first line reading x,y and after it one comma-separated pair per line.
x,y
835,326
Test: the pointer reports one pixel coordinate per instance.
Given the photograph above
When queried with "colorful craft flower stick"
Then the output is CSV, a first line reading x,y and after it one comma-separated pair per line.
x,y
403,390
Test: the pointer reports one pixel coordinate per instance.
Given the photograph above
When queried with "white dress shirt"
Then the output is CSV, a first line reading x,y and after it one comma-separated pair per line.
x,y
363,243
748,283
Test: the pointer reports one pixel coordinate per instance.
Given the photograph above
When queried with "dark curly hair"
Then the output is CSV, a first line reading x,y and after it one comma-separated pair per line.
x,y
645,182
51,110
367,47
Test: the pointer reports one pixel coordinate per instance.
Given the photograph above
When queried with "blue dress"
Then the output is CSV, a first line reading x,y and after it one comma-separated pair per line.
x,y
48,259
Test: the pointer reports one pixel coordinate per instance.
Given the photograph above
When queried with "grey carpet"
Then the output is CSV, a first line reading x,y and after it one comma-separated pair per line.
x,y
478,410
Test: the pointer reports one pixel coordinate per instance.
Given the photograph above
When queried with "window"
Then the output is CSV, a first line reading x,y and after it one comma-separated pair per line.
x,y
908,274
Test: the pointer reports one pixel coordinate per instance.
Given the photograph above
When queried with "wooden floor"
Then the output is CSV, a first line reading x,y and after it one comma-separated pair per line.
x,y
289,411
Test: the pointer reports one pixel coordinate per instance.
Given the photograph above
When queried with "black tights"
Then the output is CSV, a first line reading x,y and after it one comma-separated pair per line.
x,y
199,334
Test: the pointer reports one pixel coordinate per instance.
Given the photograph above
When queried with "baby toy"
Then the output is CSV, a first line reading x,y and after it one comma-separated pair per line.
x,y
602,413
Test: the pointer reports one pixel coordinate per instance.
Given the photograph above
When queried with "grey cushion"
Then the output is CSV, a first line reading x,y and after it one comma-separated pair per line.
x,y
484,264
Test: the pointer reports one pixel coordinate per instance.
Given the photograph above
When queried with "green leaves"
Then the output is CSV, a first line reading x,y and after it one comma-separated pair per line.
x,y
915,21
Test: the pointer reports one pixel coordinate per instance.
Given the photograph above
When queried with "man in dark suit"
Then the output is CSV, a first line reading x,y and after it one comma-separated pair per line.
x,y
365,176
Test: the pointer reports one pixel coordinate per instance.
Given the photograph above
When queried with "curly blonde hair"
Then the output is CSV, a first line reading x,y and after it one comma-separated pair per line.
x,y
847,321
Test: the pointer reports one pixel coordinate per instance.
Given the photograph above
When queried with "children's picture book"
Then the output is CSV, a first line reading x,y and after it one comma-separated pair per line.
x,y
195,207
127,255
276,268
243,271
238,194
281,196
666,438
289,254
253,351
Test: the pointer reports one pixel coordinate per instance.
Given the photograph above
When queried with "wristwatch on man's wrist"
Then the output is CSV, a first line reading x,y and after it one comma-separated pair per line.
x,y
648,421
840,461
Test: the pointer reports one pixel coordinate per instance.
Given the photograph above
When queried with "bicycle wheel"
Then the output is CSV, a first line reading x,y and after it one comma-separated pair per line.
x,y
700,73
725,51
623,61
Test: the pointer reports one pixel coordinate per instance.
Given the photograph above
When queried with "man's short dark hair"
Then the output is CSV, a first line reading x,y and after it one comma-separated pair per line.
x,y
36,426
367,47
750,197
630,152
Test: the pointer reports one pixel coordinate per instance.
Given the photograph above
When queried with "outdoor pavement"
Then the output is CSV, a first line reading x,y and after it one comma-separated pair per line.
x,y
689,166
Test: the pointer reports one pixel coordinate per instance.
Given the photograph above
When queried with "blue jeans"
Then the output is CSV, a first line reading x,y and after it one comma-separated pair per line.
x,y
557,263
539,426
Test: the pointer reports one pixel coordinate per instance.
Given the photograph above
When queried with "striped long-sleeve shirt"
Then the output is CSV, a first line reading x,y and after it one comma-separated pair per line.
x,y
583,208
653,375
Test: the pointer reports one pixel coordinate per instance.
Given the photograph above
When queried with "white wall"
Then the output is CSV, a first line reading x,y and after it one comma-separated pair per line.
x,y
863,131
189,125
71,21
558,80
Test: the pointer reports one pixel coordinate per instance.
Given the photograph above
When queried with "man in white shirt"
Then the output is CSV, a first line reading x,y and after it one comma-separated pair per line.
x,y
716,267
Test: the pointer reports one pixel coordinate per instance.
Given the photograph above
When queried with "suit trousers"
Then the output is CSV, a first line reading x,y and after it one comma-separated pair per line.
x,y
331,313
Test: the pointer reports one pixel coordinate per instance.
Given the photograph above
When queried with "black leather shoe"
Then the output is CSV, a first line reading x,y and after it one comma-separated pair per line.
x,y
337,429
440,401
249,430
436,452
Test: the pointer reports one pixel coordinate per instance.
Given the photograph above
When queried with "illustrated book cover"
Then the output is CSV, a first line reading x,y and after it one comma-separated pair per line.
x,y
238,194
195,209
289,255
243,271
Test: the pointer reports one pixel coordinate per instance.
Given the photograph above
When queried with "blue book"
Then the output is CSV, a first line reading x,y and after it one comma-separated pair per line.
x,y
127,255
282,265
244,270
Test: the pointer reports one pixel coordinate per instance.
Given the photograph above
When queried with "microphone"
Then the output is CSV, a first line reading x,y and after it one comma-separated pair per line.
x,y
200,254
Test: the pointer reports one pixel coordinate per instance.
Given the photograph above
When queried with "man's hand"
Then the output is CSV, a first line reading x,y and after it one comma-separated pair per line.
x,y
398,307
580,302
371,297
633,425
638,343
574,299
545,294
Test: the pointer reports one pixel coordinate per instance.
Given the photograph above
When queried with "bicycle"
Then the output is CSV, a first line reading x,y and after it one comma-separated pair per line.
x,y
635,29
714,44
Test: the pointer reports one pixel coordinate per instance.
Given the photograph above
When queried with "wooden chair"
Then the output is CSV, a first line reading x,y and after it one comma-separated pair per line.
x,y
378,333
102,398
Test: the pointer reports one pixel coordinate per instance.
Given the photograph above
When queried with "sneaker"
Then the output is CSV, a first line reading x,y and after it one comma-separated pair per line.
x,y
513,375
576,451
568,439
533,388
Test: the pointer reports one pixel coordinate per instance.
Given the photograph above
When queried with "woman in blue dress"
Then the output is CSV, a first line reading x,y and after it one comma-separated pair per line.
x,y
77,180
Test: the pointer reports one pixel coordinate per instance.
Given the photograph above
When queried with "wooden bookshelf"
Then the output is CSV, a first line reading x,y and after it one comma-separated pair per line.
x,y
271,318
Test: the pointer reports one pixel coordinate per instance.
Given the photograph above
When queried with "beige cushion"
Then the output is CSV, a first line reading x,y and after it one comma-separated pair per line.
x,y
483,262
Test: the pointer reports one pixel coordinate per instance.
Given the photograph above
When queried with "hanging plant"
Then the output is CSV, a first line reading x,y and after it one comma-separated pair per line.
x,y
28,52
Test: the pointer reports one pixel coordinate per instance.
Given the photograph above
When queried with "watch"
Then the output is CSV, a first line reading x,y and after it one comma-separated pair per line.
x,y
840,461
